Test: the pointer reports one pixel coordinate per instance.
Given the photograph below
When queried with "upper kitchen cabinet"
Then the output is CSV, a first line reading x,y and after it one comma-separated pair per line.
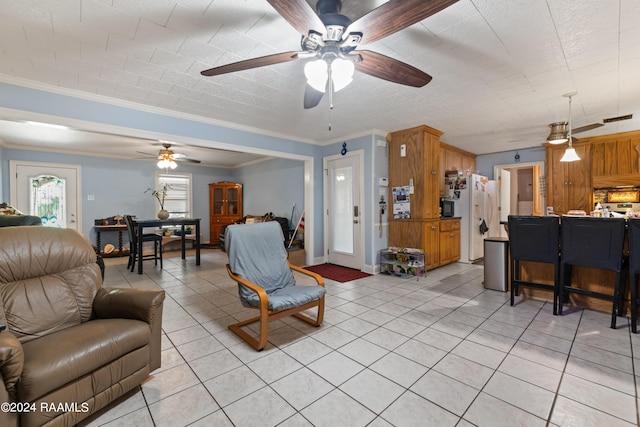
x,y
454,159
414,157
615,159
569,185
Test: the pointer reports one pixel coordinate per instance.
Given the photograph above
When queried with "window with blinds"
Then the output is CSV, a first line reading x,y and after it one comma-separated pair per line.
x,y
178,199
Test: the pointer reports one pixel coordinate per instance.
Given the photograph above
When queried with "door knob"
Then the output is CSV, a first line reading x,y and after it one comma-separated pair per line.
x,y
355,221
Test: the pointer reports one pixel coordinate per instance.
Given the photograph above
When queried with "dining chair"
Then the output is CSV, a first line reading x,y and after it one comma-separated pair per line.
x,y
596,243
258,263
133,245
633,225
536,239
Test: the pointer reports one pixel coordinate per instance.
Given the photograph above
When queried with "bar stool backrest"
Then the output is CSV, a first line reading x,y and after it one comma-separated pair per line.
x,y
593,242
634,245
534,238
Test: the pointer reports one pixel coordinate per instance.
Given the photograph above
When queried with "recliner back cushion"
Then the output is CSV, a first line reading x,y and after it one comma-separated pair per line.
x,y
48,280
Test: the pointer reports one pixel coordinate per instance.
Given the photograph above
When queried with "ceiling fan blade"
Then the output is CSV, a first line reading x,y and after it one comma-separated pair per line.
x,y
386,68
587,127
299,14
251,63
393,16
147,154
186,159
312,97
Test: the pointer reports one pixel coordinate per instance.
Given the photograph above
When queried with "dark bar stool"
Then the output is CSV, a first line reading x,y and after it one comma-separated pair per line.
x,y
595,243
534,238
634,268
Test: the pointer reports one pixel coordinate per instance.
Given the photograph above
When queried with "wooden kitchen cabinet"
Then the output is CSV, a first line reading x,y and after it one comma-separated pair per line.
x,y
420,164
454,159
569,184
615,159
431,230
225,207
449,240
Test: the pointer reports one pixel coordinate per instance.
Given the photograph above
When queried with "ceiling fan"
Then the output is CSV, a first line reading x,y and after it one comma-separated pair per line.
x,y
167,158
330,40
561,132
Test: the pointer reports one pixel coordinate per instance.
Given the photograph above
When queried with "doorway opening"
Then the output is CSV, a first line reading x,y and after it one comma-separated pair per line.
x,y
523,191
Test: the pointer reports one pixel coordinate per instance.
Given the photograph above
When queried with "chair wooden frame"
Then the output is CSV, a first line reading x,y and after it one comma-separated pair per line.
x,y
267,315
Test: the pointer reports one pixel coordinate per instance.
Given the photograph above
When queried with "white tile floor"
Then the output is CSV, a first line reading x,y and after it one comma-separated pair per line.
x,y
441,351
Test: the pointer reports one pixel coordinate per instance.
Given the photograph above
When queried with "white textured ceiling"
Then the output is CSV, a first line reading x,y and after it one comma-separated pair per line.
x,y
499,67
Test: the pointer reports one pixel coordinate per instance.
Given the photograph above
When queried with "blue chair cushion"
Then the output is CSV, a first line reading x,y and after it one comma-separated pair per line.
x,y
256,253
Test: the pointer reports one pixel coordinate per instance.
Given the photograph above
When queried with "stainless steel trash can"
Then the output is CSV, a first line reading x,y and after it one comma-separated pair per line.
x,y
496,263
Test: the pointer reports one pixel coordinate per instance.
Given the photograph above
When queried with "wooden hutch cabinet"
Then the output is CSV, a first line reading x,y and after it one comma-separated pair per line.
x,y
225,207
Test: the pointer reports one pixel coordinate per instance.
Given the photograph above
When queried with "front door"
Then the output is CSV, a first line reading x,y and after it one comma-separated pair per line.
x,y
344,211
50,191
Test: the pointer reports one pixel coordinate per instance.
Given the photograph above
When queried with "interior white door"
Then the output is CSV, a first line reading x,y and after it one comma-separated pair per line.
x,y
344,211
504,208
50,191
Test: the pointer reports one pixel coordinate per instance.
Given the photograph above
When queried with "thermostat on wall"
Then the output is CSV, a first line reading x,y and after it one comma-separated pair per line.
x,y
384,182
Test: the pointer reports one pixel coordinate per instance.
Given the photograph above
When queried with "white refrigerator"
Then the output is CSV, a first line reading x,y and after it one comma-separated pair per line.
x,y
476,205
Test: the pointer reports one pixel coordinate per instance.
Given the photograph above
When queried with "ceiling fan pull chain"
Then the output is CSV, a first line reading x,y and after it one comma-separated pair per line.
x,y
330,83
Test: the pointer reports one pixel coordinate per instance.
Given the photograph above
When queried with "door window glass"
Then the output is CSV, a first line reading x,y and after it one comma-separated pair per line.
x,y
48,200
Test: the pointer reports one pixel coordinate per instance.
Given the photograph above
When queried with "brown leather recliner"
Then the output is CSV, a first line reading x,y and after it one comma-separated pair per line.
x,y
70,346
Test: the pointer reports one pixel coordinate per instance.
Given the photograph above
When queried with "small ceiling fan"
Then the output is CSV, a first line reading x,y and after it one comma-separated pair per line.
x,y
329,40
561,132
167,158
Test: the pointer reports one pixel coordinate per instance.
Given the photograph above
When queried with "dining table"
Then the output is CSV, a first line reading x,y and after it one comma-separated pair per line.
x,y
141,224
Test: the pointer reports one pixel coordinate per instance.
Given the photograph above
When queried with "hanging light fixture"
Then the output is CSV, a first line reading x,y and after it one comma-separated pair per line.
x,y
558,134
570,154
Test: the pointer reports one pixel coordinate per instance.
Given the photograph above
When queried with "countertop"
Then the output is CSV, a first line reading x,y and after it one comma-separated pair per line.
x,y
445,218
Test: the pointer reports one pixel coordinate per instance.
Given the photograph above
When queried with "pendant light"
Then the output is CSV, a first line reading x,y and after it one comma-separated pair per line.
x,y
570,154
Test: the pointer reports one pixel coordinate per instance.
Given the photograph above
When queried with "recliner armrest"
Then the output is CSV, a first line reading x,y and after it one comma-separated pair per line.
x,y
138,304
127,303
11,361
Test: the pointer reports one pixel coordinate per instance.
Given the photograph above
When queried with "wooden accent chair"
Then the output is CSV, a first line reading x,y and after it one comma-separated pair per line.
x,y
258,262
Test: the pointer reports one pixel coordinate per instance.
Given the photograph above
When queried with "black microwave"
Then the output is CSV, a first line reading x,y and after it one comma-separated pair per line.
x,y
447,209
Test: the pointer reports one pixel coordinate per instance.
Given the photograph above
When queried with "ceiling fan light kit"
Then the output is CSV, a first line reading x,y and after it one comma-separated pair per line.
x,y
558,134
167,163
317,73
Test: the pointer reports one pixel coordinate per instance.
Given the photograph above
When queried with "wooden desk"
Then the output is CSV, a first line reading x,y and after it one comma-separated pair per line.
x,y
142,223
106,228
